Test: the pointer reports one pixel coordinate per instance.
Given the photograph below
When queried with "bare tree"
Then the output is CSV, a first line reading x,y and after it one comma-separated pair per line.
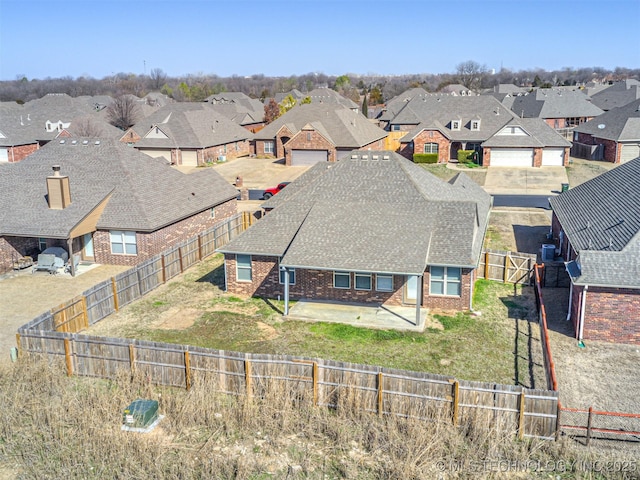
x,y
271,111
158,78
123,112
86,127
470,74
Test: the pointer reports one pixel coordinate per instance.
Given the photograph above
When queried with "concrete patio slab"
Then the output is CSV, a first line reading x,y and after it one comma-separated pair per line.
x,y
525,180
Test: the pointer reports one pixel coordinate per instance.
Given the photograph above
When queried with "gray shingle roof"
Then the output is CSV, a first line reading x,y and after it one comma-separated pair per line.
x,y
601,219
374,215
145,193
554,103
344,127
617,95
540,135
621,124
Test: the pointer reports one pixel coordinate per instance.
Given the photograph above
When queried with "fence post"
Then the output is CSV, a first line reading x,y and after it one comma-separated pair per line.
x,y
589,425
505,276
132,358
200,247
315,384
486,265
164,273
85,312
187,370
247,376
180,258
456,401
521,415
558,421
380,394
18,343
67,356
115,293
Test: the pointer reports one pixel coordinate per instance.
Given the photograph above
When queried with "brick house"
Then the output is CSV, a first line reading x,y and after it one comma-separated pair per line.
x,y
596,228
373,228
317,132
613,136
444,124
104,202
189,134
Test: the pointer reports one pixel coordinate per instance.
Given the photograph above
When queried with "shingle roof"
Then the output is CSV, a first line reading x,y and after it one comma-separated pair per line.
x,y
601,219
621,124
554,103
344,127
374,214
540,135
145,193
617,95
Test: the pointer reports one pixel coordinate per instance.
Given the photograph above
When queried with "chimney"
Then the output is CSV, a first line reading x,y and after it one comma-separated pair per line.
x,y
58,190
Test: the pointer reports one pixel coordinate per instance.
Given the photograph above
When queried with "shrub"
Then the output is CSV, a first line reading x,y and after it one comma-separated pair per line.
x,y
465,156
425,158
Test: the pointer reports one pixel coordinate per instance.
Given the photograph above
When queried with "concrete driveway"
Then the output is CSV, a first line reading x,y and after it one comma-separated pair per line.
x,y
525,180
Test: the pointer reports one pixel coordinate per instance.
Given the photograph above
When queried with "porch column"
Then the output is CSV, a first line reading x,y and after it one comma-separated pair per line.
x,y
71,262
418,299
286,290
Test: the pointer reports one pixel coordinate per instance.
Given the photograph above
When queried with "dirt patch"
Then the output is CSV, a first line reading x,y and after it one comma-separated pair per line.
x,y
177,318
268,332
521,230
580,171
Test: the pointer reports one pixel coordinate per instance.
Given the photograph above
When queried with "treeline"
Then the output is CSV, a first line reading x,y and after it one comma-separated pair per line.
x,y
377,88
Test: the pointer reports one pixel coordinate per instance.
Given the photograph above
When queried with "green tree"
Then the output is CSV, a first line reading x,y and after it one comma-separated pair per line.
x,y
375,96
287,104
305,100
342,82
365,107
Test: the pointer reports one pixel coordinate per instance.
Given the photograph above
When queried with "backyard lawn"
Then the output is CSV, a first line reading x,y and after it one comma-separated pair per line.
x,y
192,309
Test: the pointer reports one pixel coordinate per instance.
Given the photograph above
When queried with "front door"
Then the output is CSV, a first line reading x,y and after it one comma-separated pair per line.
x,y
411,289
87,247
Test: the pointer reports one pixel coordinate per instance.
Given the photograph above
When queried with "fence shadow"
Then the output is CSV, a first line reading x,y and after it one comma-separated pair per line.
x,y
530,238
214,277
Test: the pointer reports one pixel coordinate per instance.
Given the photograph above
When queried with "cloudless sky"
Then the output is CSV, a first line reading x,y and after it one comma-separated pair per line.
x,y
98,38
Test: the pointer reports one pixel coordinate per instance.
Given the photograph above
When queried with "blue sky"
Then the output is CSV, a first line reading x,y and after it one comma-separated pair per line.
x,y
98,38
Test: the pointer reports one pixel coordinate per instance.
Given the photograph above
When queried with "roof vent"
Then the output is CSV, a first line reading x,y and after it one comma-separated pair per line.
x,y
74,142
354,157
601,126
97,142
374,157
85,142
385,157
365,157
61,142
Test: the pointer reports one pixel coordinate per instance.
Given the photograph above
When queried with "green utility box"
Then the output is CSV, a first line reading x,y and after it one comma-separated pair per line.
x,y
565,187
140,413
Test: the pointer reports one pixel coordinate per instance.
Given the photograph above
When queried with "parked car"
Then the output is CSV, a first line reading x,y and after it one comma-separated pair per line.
x,y
270,192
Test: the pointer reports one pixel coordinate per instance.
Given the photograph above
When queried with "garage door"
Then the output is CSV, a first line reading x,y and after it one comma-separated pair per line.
x,y
190,158
553,157
4,155
308,157
511,157
629,152
158,153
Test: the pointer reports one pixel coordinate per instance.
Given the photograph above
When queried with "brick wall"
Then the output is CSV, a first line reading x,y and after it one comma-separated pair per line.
x,y
130,136
612,315
282,137
20,152
151,244
610,147
432,136
318,285
309,140
537,157
258,149
12,248
237,149
486,156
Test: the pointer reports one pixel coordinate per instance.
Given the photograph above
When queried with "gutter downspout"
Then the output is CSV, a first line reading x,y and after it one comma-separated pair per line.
x,y
419,299
471,291
570,301
583,307
286,291
72,265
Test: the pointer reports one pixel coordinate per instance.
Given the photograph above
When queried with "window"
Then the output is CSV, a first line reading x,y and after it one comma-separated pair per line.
x,y
395,128
308,136
213,212
123,243
384,283
475,125
292,275
243,268
341,280
455,124
42,244
363,281
445,281
430,148
268,147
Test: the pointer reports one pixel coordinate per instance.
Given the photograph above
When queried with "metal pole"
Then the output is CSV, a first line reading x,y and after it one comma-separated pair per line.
x,y
418,300
286,290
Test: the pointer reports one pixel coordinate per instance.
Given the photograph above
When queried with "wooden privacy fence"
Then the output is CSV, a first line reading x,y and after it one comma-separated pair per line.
x,y
524,412
109,296
549,366
506,267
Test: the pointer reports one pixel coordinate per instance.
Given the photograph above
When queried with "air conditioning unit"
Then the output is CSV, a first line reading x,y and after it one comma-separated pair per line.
x,y
141,415
548,252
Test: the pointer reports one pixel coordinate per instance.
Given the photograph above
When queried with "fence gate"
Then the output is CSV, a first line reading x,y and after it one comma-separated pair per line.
x,y
517,269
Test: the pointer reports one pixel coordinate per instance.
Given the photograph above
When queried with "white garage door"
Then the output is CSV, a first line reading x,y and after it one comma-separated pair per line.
x,y
512,157
553,157
190,158
629,152
157,153
4,155
308,157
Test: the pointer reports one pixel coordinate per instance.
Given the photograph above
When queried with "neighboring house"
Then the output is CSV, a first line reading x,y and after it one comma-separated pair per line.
x,y
373,228
189,134
562,109
104,202
317,132
331,97
457,89
240,108
397,103
617,95
596,227
25,128
506,92
445,124
613,136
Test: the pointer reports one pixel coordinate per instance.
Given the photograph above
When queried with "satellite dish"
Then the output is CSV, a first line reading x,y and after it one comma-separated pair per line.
x,y
601,126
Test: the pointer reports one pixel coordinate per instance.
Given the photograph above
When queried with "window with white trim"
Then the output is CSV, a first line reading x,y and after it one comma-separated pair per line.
x,y
243,268
213,212
395,128
362,281
384,283
268,147
455,124
341,280
475,124
445,281
123,242
42,244
430,148
292,275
